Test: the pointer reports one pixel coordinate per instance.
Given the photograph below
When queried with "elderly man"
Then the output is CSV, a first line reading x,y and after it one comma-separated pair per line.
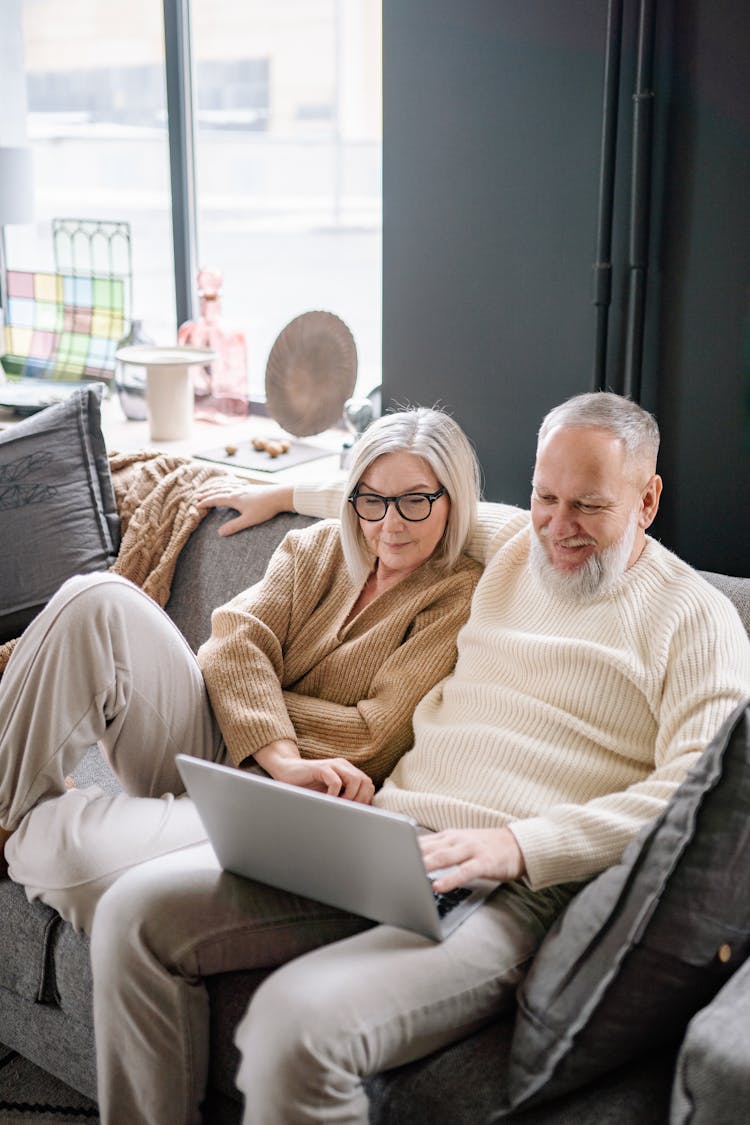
x,y
594,669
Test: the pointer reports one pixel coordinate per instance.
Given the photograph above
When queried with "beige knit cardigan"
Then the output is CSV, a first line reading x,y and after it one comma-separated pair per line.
x,y
285,661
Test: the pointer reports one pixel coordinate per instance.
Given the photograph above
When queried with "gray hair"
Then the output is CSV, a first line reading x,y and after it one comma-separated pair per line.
x,y
437,439
634,426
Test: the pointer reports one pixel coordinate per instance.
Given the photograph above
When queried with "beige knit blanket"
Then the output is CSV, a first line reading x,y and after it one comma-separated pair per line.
x,y
156,500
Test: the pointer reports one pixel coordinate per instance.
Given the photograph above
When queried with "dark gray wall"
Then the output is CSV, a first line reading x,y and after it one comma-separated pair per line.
x,y
703,322
492,125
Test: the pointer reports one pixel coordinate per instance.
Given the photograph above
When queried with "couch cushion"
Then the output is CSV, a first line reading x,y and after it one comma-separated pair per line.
x,y
736,589
211,570
57,505
71,973
712,1078
465,1083
27,939
650,941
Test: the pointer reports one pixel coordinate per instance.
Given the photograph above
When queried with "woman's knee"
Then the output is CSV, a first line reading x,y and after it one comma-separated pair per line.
x,y
100,588
84,598
97,584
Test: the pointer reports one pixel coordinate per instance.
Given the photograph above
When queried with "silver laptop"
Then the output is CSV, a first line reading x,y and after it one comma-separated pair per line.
x,y
353,856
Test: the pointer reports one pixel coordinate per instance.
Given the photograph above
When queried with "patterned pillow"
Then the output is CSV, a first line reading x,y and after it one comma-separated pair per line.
x,y
57,505
650,941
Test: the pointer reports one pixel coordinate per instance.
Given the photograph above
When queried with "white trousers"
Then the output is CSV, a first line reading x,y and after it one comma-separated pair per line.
x,y
101,663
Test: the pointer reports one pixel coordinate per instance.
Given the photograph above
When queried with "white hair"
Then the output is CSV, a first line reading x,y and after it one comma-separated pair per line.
x,y
435,437
599,574
634,426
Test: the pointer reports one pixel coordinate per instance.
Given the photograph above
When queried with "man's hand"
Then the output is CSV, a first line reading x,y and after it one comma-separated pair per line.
x,y
256,504
472,853
335,776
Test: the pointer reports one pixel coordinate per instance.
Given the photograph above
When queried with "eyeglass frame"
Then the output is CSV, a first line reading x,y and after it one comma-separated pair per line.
x,y
388,500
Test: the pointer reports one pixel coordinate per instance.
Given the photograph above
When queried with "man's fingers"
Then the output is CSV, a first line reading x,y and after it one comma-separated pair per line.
x,y
487,853
462,855
440,850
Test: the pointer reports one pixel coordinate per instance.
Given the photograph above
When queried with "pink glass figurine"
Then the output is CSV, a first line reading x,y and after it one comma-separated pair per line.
x,y
220,386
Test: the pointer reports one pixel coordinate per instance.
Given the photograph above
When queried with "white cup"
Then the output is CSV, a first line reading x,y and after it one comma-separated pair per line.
x,y
169,386
169,401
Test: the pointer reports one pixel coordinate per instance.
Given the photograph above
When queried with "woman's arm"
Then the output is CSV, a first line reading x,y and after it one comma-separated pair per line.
x,y
243,663
243,659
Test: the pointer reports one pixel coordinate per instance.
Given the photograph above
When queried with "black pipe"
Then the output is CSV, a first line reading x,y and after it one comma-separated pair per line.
x,y
640,200
603,264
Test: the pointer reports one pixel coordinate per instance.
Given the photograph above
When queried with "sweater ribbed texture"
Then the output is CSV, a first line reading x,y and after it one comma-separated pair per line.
x,y
282,663
572,724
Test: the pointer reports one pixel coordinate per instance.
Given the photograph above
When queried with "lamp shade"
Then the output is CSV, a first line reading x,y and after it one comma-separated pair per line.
x,y
16,186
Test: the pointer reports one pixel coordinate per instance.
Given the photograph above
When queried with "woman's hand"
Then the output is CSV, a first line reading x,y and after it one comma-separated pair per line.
x,y
335,776
256,503
472,853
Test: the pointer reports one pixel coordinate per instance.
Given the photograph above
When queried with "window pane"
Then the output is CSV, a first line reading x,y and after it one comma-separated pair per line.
x,y
288,104
97,124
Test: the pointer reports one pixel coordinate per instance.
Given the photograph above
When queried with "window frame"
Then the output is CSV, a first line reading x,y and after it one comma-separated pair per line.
x,y
181,139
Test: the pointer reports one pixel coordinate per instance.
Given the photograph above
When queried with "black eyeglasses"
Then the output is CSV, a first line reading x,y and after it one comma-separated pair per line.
x,y
411,506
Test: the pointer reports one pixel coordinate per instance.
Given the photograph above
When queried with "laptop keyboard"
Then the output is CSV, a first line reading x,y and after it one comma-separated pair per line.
x,y
448,900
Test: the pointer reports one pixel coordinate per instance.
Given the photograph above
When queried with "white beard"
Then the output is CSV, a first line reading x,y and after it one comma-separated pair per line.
x,y
596,576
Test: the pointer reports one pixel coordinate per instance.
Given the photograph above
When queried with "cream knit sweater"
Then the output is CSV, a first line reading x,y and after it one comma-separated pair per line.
x,y
282,662
572,725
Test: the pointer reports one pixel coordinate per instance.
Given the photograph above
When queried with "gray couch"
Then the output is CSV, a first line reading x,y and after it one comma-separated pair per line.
x,y
45,979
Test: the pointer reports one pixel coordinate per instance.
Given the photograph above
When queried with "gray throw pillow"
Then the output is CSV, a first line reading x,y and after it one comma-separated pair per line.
x,y
57,506
650,941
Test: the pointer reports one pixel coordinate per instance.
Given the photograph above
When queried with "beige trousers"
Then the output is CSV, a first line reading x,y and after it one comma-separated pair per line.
x,y
346,1004
321,1024
101,663
162,929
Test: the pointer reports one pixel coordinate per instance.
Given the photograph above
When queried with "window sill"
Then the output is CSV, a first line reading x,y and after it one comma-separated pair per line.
x,y
124,436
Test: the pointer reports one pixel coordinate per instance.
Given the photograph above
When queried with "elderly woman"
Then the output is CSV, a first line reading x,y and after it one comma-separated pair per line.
x,y
312,674
318,670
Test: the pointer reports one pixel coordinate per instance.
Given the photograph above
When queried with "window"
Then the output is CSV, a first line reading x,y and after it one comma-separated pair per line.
x,y
97,124
288,155
287,99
